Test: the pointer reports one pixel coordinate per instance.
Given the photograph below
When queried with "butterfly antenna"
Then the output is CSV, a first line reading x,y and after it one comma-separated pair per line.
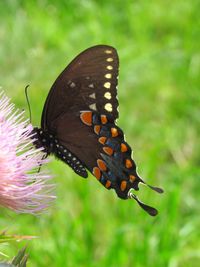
x,y
27,99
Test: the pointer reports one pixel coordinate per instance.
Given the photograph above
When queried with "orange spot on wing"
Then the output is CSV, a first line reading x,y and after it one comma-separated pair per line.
x,y
114,132
104,119
97,129
123,185
132,178
108,184
108,150
97,173
101,164
86,117
128,163
102,140
123,147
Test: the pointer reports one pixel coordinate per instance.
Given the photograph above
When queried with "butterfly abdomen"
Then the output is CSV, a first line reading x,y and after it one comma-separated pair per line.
x,y
51,145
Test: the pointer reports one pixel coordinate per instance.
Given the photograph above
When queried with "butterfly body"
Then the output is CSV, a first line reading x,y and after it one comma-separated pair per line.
x,y
51,145
79,123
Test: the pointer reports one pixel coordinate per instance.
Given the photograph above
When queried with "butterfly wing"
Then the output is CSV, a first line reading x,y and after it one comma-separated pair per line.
x,y
89,82
80,111
99,144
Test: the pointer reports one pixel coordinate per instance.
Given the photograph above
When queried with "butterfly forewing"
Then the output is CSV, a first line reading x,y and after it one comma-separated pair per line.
x,y
89,82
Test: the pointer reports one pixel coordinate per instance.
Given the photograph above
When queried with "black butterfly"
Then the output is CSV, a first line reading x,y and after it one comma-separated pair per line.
x,y
78,123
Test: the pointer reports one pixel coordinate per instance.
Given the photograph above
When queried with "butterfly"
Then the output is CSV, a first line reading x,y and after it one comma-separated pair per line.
x,y
78,123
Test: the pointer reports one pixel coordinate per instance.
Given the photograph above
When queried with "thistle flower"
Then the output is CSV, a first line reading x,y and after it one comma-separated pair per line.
x,y
22,188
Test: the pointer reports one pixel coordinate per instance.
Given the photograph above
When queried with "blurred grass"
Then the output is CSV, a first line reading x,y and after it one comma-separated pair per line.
x,y
159,95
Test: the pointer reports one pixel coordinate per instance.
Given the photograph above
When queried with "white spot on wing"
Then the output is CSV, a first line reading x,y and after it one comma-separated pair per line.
x,y
109,67
92,95
108,76
110,59
72,84
107,85
108,107
93,106
108,51
107,95
91,85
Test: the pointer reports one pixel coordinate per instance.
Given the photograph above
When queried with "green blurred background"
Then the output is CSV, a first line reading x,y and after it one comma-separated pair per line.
x,y
159,48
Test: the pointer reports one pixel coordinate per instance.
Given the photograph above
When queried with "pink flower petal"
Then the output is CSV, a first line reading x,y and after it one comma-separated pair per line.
x,y
22,188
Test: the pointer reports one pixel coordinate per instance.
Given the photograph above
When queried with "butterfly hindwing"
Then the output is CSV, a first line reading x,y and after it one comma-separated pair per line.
x,y
100,145
88,82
